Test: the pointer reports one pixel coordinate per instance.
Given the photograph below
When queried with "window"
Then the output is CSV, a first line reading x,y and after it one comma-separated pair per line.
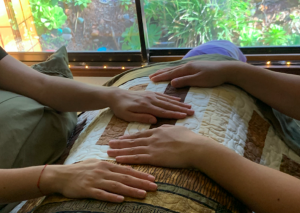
x,y
81,25
249,23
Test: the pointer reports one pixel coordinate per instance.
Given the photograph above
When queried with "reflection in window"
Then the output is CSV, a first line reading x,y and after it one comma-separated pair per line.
x,y
81,25
247,23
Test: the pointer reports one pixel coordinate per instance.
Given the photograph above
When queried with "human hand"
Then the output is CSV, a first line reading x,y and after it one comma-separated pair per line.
x,y
145,106
196,73
167,146
99,180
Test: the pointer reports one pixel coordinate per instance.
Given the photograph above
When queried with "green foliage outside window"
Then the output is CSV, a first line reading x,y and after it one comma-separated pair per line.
x,y
126,3
188,23
132,39
46,15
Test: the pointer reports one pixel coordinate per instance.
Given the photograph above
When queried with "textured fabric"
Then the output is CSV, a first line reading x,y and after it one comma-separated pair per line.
x,y
221,47
2,53
226,114
31,133
290,128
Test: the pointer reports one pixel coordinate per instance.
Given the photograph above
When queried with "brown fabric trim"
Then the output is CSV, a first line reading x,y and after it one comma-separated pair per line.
x,y
256,136
172,91
117,127
195,181
113,130
290,167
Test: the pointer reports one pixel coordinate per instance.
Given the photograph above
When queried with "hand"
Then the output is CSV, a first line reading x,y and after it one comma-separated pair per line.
x,y
167,146
196,73
99,180
145,106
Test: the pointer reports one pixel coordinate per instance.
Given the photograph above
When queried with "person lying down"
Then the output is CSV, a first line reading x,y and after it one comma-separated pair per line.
x,y
225,158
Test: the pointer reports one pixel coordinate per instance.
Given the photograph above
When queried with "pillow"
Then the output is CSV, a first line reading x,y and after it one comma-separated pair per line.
x,y
32,133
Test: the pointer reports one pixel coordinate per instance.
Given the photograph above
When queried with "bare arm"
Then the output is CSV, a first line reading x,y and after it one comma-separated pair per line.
x,y
89,179
279,90
68,95
259,187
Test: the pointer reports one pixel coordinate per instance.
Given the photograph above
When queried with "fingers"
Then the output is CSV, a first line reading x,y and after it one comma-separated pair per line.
x,y
165,70
99,194
168,96
171,74
188,80
143,134
129,171
133,182
127,151
174,107
128,143
134,159
163,113
119,188
162,97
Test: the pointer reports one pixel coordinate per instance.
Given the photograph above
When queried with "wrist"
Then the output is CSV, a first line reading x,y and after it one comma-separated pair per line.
x,y
111,94
237,72
205,152
51,179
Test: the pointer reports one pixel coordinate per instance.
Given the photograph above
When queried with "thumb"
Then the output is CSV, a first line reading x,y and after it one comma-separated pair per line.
x,y
188,80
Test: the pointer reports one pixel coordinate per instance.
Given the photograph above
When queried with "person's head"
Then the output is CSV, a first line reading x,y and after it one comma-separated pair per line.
x,y
221,47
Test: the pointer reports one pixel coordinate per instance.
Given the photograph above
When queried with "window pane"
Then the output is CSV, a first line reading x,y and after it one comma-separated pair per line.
x,y
81,25
188,23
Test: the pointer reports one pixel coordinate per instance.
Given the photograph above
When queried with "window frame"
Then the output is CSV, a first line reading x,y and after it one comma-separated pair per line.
x,y
149,55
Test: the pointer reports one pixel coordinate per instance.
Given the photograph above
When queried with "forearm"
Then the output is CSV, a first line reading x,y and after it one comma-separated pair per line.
x,y
21,184
59,93
68,95
279,90
259,187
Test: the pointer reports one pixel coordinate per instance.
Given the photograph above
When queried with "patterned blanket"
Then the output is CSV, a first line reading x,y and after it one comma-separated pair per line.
x,y
225,113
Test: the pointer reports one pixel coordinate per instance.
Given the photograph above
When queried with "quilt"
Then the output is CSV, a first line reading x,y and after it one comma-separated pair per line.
x,y
226,114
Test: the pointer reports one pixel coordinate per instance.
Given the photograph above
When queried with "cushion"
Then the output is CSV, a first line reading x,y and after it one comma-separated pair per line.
x,y
32,133
225,113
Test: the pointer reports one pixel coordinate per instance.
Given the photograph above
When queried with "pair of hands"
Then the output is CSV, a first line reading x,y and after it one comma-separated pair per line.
x,y
167,146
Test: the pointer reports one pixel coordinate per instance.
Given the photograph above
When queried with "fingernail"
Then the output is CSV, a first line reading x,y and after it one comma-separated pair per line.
x,y
190,111
151,177
153,186
152,120
183,114
142,193
120,198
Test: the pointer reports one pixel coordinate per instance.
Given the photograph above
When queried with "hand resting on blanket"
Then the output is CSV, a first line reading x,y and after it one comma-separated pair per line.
x,y
279,90
261,188
89,179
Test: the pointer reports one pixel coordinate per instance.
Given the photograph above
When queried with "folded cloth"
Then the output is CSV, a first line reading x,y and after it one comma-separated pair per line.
x,y
221,47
